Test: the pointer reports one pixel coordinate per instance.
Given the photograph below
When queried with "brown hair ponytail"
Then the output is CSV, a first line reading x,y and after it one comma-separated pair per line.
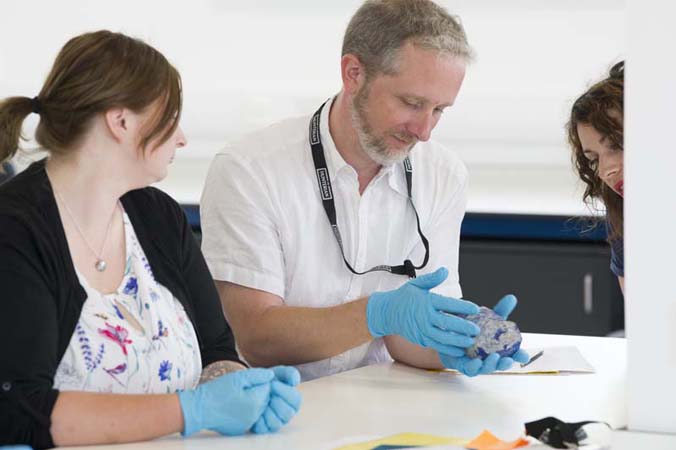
x,y
13,111
93,73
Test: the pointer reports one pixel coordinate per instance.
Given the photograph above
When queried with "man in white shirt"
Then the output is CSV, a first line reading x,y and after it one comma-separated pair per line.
x,y
278,206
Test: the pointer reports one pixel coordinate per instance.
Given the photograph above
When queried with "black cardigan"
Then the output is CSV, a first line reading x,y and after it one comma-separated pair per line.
x,y
41,297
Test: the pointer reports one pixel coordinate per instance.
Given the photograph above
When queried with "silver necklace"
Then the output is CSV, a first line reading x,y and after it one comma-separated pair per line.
x,y
100,264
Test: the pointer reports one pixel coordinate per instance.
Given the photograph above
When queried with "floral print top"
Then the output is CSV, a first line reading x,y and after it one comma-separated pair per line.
x,y
137,340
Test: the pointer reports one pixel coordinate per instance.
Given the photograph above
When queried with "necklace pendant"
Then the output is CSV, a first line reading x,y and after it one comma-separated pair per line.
x,y
100,265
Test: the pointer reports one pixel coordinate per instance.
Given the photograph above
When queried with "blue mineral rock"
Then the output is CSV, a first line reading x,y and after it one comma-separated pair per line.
x,y
497,335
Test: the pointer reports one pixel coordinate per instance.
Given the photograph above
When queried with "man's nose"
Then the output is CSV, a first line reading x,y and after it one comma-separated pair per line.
x,y
422,126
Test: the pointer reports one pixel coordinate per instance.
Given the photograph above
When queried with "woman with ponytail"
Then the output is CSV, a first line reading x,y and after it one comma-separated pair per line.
x,y
105,292
596,135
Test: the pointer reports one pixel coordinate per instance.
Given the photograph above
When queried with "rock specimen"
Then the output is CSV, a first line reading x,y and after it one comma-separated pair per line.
x,y
497,335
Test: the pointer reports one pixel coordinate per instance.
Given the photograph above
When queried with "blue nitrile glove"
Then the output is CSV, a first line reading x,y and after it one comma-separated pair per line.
x,y
284,403
504,308
422,317
472,367
229,404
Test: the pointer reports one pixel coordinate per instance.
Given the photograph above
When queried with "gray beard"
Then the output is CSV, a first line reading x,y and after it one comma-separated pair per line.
x,y
372,145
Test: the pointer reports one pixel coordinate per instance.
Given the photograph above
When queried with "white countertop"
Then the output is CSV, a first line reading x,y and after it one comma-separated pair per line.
x,y
387,399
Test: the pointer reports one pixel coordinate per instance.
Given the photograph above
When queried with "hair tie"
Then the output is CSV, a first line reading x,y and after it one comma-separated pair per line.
x,y
36,106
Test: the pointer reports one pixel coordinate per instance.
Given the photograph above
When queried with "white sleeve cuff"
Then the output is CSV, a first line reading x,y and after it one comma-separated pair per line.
x,y
226,271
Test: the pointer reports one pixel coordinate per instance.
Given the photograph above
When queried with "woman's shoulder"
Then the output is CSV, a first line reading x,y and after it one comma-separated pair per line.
x,y
151,199
155,211
27,218
28,185
25,199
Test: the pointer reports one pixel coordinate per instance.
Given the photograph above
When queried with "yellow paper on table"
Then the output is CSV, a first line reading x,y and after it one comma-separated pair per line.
x,y
405,439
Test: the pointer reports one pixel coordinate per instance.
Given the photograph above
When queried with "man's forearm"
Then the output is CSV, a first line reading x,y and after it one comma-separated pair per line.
x,y
297,335
408,353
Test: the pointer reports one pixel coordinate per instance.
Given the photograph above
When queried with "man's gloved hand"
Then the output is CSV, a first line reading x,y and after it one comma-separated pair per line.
x,y
422,317
230,404
284,402
472,367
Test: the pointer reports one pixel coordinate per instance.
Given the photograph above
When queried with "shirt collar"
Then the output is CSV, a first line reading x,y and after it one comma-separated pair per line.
x,y
336,164
397,179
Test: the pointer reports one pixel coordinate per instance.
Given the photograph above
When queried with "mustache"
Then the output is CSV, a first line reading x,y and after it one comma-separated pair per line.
x,y
405,137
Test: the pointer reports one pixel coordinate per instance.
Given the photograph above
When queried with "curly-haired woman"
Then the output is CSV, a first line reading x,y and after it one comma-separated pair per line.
x,y
596,134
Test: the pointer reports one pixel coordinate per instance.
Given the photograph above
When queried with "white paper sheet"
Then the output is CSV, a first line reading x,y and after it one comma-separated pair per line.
x,y
567,359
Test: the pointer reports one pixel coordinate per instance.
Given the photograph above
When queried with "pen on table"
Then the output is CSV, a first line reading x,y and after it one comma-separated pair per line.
x,y
535,356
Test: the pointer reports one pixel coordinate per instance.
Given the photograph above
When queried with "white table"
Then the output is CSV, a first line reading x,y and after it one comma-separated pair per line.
x,y
386,399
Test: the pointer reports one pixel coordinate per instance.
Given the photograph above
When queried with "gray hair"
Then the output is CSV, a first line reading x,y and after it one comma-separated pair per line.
x,y
379,29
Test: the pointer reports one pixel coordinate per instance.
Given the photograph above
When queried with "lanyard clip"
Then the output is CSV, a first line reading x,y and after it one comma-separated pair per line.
x,y
409,268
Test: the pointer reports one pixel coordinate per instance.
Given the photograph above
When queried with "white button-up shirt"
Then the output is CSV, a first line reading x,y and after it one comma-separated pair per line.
x,y
264,225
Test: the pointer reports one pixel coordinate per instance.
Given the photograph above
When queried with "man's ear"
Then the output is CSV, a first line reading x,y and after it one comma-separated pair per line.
x,y
353,73
117,122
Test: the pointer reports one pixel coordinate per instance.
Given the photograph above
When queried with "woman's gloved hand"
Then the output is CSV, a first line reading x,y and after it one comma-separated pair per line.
x,y
230,404
284,403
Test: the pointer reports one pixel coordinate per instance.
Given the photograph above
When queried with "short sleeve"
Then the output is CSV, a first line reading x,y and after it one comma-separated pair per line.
x,y
240,237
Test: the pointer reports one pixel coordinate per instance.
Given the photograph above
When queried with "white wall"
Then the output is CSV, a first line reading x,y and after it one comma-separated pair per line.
x,y
650,307
246,64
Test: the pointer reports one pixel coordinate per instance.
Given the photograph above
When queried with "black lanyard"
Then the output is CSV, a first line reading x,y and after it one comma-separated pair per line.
x,y
326,192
